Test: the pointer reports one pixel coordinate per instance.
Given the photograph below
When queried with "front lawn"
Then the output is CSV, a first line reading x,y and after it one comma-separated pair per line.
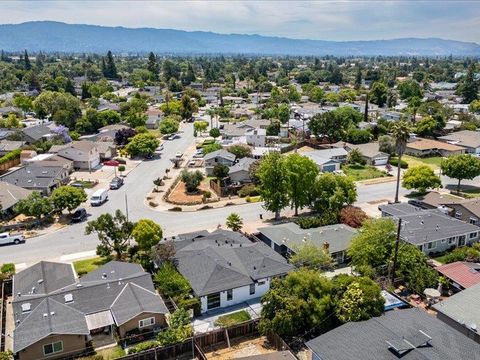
x,y
232,319
433,162
115,352
470,193
83,267
362,172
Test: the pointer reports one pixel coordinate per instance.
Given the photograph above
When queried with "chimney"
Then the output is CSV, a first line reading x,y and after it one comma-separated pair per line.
x,y
326,247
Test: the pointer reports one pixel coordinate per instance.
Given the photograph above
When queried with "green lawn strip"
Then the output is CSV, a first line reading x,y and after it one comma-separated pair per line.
x,y
233,318
83,267
115,352
433,162
360,172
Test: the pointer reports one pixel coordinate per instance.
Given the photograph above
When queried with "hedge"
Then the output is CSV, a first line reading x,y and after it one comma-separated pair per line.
x,y
12,155
394,162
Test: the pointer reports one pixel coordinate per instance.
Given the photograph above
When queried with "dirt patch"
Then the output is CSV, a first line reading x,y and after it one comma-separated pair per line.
x,y
374,202
180,196
241,347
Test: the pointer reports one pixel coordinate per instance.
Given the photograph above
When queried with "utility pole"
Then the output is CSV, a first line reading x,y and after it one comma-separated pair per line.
x,y
397,242
126,205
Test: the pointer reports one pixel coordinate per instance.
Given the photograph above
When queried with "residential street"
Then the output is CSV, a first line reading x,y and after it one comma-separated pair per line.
x,y
71,239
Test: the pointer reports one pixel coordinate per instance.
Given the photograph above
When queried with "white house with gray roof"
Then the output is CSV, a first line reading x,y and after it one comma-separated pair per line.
x,y
225,268
283,238
468,139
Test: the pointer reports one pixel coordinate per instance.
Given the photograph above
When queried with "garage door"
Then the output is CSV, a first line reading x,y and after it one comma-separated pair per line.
x,y
381,161
95,163
329,168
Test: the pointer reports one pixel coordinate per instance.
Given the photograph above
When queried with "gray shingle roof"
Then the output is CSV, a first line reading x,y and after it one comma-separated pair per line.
x,y
463,307
220,154
48,318
36,132
367,340
226,260
338,236
11,194
466,138
35,177
134,300
242,165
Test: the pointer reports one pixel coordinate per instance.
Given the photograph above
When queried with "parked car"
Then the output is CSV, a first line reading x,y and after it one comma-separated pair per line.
x,y
179,155
7,238
116,183
99,197
192,163
79,215
77,185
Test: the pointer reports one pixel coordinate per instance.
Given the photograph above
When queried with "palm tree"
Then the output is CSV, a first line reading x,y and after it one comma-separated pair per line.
x,y
400,133
234,222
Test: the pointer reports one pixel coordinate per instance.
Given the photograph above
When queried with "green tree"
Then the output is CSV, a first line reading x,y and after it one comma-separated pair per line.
x,y
298,303
283,113
211,148
355,156
34,205
214,132
386,144
152,65
220,171
114,233
421,178
200,126
49,102
170,282
67,197
468,86
147,234
189,106
316,94
426,126
240,151
413,104
378,93
169,125
473,107
460,167
273,182
234,222
331,192
142,145
400,133
179,330
311,256
361,300
110,69
24,102
26,61
410,88
192,179
301,173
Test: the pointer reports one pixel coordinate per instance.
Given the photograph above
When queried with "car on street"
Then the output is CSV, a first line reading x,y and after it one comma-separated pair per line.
x,y
7,238
79,215
192,163
116,183
179,155
99,197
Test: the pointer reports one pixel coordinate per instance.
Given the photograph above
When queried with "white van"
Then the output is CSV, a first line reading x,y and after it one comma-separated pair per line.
x,y
99,197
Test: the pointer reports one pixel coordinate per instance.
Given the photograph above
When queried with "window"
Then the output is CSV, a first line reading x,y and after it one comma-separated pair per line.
x,y
451,240
473,235
444,240
432,245
458,214
146,322
229,295
53,348
473,220
261,283
213,301
252,289
461,240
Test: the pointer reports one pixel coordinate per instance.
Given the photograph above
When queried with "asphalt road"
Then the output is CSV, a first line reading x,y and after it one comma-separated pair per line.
x,y
71,239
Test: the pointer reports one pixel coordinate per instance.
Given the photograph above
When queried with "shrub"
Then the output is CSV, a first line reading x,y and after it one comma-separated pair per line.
x,y
8,269
143,346
248,190
394,162
317,221
352,216
12,155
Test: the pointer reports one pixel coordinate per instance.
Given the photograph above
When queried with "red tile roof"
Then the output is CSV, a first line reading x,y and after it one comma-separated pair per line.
x,y
464,274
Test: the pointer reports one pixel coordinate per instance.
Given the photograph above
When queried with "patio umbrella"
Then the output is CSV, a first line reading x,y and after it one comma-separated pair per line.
x,y
111,163
431,293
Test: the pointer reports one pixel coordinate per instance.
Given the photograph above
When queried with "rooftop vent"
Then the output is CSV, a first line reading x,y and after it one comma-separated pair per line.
x,y
40,281
26,307
68,298
104,275
52,313
45,314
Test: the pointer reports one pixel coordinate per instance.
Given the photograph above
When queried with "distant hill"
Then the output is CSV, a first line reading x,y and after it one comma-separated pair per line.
x,y
56,36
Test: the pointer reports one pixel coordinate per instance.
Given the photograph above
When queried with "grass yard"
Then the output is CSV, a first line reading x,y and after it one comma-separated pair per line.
x,y
363,172
441,258
115,352
83,267
233,319
470,193
432,162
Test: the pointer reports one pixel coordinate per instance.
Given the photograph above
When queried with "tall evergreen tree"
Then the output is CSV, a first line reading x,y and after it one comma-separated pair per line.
x,y
468,88
39,61
110,71
26,61
358,78
152,65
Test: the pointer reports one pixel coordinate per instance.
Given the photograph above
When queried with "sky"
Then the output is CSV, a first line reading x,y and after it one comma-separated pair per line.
x,y
322,20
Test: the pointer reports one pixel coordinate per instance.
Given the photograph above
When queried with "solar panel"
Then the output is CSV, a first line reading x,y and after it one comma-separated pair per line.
x,y
419,339
400,346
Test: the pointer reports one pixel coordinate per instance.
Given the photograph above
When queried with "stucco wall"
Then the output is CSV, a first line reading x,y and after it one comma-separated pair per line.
x,y
133,323
72,344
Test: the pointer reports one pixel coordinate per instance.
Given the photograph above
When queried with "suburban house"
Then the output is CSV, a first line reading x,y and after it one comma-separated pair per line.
x,y
431,230
283,238
225,268
83,153
36,133
370,152
56,314
428,147
106,149
256,137
468,139
391,115
328,160
218,157
49,160
39,178
154,118
461,274
462,312
409,334
7,146
10,195
240,172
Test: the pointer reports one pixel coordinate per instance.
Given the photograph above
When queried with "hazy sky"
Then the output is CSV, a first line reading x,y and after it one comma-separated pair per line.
x,y
327,20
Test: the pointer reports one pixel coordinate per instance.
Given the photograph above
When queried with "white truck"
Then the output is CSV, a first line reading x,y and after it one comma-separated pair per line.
x,y
7,238
99,197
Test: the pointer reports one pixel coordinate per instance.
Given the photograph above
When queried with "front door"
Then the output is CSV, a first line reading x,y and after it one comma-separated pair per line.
x,y
213,301
461,240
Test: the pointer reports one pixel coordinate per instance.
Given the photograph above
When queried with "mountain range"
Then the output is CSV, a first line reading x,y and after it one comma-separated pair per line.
x,y
50,36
